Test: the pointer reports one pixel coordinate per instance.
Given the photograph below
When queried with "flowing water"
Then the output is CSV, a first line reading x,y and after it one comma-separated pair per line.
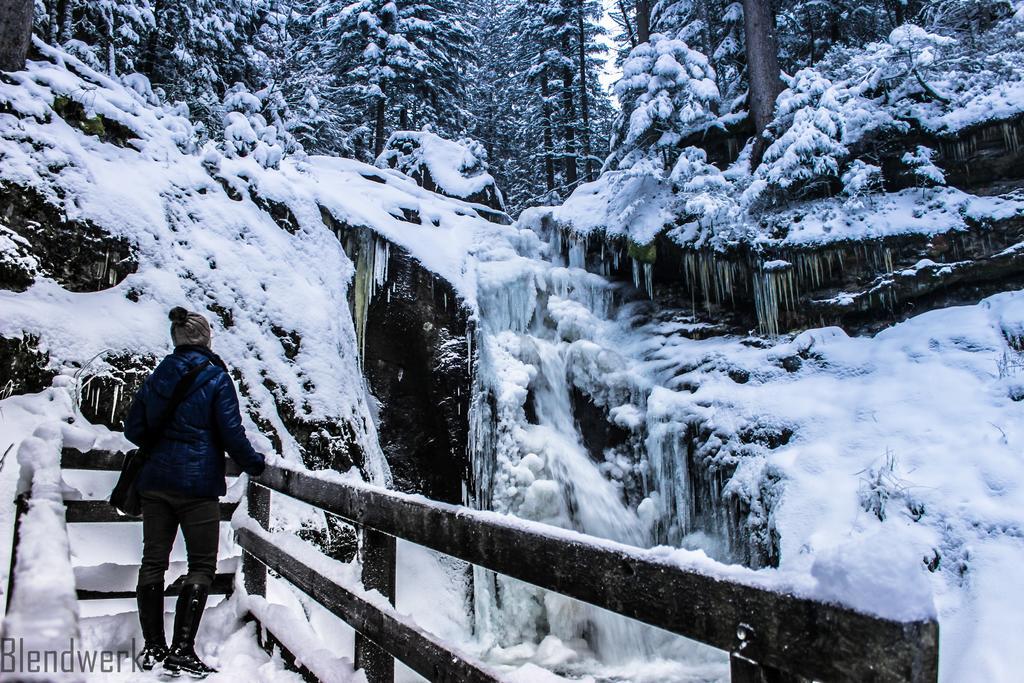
x,y
545,330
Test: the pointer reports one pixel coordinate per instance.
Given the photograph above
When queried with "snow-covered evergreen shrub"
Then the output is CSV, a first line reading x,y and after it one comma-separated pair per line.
x,y
811,149
457,168
921,166
667,93
707,197
246,131
860,180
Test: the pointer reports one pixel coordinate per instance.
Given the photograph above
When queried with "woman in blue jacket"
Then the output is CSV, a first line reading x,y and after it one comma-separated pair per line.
x,y
180,485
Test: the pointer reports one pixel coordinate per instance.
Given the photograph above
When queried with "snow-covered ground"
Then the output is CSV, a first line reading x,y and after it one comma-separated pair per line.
x,y
883,473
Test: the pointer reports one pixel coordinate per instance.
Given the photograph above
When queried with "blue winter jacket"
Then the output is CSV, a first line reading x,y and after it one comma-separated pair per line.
x,y
189,457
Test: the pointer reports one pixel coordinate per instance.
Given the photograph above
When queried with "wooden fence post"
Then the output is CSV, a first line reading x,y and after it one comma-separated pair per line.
x,y
254,573
378,551
20,508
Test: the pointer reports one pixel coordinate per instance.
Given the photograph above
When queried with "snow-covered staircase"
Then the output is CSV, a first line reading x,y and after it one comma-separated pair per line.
x,y
117,581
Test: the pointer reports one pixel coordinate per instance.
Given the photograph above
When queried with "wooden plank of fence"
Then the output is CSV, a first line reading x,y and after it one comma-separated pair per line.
x,y
254,573
424,653
20,508
378,574
805,637
101,512
223,584
269,642
72,459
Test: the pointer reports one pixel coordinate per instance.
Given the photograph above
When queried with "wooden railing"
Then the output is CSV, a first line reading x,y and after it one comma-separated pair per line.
x,y
771,635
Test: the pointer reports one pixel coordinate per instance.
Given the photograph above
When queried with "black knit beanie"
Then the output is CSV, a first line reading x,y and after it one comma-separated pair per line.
x,y
189,328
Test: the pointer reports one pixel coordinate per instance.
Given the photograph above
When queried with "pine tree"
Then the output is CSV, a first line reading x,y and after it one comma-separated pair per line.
x,y
402,64
667,93
810,150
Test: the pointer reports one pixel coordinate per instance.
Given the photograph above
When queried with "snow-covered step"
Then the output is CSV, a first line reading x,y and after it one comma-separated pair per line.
x,y
223,584
113,580
112,576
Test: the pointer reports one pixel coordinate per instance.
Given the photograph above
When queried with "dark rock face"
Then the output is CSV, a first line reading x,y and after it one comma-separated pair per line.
x,y
80,256
414,336
598,431
105,396
861,286
106,129
23,367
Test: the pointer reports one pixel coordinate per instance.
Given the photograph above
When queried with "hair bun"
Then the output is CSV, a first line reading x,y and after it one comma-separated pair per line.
x,y
178,315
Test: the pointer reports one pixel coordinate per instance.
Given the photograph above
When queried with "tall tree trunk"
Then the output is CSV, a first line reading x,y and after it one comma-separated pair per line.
x,y
15,33
111,58
569,113
378,127
51,21
67,26
584,96
549,138
148,58
900,11
643,20
762,69
626,23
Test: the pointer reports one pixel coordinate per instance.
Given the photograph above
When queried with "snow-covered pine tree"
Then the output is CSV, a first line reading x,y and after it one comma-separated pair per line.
x,y
922,167
810,151
197,50
499,102
715,28
254,126
106,34
400,63
667,93
707,198
526,54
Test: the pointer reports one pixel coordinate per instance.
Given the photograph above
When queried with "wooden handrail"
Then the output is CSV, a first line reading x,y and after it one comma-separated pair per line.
x,y
778,630
424,653
109,461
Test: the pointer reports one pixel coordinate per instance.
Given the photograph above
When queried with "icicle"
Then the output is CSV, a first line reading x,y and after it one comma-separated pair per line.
x,y
113,404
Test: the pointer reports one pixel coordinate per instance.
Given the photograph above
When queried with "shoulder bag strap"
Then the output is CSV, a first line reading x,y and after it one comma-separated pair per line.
x,y
177,396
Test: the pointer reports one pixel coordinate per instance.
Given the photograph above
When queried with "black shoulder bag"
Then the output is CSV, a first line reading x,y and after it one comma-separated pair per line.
x,y
125,497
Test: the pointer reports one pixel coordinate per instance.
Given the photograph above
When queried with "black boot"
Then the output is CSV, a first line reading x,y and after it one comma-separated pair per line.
x,y
151,615
187,615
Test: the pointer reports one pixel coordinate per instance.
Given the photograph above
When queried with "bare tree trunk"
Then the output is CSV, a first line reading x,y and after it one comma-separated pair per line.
x,y
15,33
111,59
625,22
67,15
51,21
549,138
378,128
643,20
762,69
588,174
569,119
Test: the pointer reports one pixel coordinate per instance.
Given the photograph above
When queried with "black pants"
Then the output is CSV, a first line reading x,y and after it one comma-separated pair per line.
x,y
199,518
